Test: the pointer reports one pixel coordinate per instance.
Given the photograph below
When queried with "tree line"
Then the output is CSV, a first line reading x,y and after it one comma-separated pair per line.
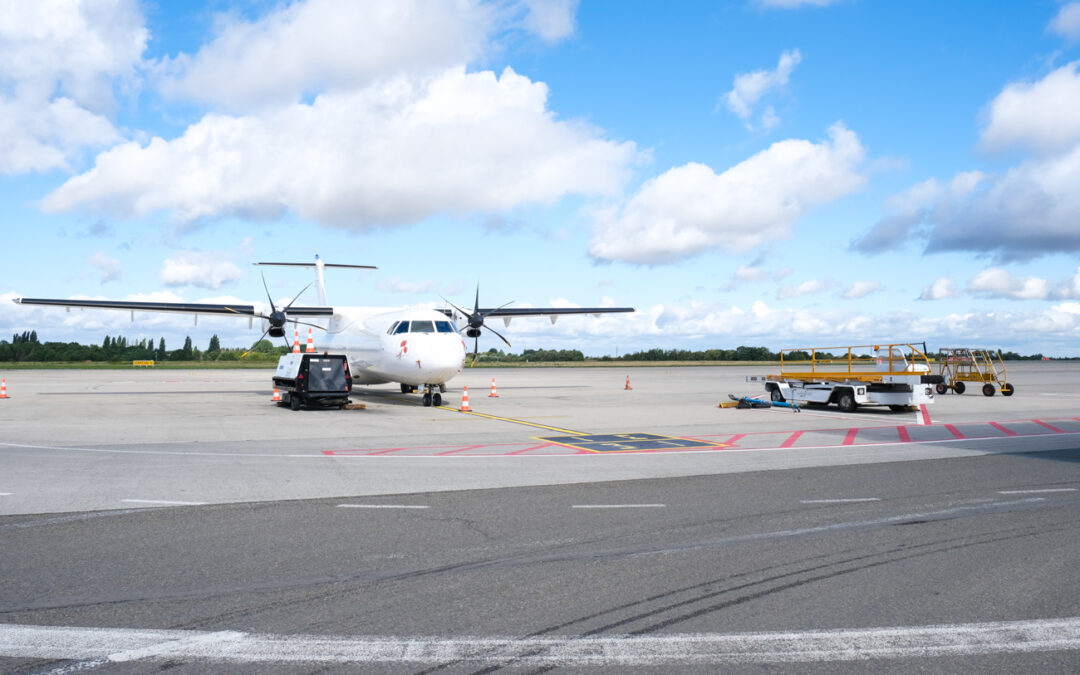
x,y
25,347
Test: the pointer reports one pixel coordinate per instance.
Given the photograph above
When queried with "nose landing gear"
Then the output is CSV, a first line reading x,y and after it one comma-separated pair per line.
x,y
432,395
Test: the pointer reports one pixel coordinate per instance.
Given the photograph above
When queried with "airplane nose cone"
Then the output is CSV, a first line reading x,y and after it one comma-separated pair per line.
x,y
439,359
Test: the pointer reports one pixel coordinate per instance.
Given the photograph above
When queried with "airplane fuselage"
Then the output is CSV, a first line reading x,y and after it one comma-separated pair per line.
x,y
412,346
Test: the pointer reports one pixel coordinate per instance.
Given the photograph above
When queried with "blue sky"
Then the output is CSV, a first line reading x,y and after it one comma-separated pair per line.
x,y
778,173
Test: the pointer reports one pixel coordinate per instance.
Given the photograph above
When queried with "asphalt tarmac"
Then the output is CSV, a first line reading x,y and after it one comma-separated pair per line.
x,y
172,518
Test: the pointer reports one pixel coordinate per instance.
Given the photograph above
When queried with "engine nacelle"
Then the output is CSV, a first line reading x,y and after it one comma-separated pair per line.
x,y
473,332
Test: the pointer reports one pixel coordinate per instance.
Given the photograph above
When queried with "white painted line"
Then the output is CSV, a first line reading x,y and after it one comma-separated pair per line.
x,y
853,500
1034,492
619,506
382,506
858,644
5,494
162,502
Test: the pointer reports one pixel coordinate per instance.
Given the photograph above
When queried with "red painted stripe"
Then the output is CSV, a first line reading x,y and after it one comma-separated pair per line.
x,y
954,431
902,432
791,440
1051,427
734,439
535,447
1002,429
457,450
386,452
850,438
925,414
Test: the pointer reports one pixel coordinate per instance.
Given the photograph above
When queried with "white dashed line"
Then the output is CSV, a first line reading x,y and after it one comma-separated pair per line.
x,y
853,500
5,494
619,506
383,506
1034,492
162,502
105,645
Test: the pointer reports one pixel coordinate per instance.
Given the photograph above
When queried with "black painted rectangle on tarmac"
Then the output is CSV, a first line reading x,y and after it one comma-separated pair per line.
x,y
635,442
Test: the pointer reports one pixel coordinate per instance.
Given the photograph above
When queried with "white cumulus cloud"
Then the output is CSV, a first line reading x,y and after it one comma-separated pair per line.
x,y
60,62
690,209
1067,21
809,287
203,269
1043,116
861,289
749,88
392,153
941,289
998,283
109,267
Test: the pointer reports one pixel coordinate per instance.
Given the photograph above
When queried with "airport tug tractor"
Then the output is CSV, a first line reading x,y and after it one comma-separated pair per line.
x,y
313,380
897,375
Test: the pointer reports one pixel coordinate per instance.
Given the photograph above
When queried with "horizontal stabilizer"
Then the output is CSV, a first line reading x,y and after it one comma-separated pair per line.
x,y
309,264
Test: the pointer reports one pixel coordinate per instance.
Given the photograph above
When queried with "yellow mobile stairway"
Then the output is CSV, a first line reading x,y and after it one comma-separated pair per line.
x,y
958,365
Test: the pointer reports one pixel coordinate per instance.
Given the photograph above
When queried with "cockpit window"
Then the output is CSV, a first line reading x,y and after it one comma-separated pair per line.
x,y
390,330
444,327
422,327
402,327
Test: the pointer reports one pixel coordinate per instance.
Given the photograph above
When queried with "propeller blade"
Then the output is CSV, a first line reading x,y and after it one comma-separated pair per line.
x,y
499,334
256,342
305,323
267,288
286,308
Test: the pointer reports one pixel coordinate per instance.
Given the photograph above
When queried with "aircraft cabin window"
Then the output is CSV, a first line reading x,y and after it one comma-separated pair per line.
x,y
390,330
422,327
444,327
402,327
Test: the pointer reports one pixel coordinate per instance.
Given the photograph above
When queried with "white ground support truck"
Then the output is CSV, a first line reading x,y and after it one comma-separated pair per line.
x,y
897,375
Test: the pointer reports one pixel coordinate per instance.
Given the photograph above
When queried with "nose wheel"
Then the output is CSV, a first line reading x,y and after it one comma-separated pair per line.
x,y
432,395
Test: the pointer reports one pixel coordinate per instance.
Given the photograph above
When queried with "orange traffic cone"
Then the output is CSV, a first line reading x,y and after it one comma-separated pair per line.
x,y
276,398
296,341
3,388
493,394
465,401
310,343
627,387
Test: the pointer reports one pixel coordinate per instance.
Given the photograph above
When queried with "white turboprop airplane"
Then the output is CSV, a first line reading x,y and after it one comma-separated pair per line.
x,y
416,347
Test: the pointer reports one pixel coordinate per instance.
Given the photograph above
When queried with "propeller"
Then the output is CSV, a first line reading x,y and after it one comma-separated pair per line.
x,y
475,322
279,317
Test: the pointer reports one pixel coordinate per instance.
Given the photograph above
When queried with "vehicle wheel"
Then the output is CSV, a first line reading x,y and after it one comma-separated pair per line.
x,y
846,402
1007,389
942,388
427,400
988,389
406,389
436,400
775,394
294,403
959,387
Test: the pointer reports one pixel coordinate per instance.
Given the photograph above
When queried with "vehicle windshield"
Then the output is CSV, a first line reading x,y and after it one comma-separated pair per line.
x,y
422,327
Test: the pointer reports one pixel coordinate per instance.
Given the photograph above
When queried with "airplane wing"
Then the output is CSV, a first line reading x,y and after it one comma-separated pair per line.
x,y
176,307
511,312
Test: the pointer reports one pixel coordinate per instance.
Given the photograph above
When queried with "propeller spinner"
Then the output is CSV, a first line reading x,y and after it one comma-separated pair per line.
x,y
475,322
277,318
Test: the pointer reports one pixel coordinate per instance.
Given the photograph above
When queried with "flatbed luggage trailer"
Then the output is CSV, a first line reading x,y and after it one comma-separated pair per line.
x,y
897,375
958,365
